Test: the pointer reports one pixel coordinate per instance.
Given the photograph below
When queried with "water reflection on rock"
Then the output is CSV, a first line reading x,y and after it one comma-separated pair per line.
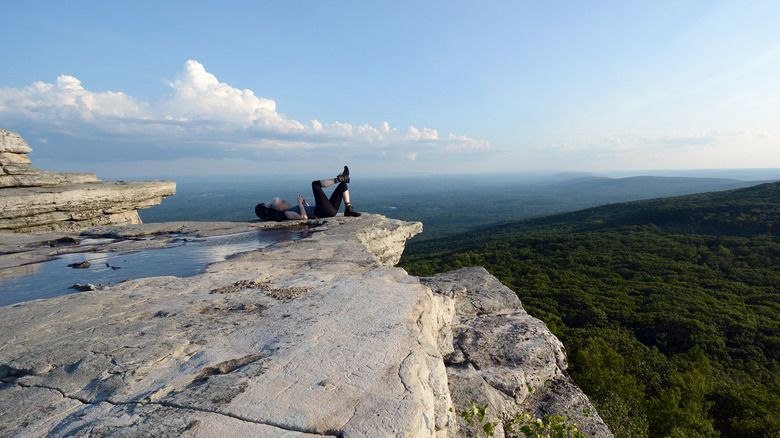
x,y
19,271
180,256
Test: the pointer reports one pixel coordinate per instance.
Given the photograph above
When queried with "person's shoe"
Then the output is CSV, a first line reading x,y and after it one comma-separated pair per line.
x,y
349,211
343,176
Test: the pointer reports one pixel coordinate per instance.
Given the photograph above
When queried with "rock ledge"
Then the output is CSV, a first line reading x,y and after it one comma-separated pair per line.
x,y
319,336
33,200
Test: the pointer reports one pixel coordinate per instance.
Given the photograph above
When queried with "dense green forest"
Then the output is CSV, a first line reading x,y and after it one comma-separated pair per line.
x,y
668,308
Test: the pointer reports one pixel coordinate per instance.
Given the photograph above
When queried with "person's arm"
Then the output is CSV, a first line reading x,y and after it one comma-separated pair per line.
x,y
293,216
296,216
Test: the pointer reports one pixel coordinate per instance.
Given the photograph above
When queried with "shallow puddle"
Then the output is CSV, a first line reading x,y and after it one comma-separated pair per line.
x,y
185,257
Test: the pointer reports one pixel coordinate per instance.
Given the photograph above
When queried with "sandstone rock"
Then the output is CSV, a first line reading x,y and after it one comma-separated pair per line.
x,y
32,200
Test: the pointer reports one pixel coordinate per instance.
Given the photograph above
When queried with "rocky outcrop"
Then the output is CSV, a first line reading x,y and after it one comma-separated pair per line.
x,y
319,336
33,200
503,357
17,170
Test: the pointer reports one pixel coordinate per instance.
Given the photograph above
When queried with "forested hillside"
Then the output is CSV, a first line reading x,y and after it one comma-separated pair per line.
x,y
668,308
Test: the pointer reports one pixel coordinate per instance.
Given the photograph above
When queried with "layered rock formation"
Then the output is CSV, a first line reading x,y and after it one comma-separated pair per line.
x,y
319,336
32,200
503,357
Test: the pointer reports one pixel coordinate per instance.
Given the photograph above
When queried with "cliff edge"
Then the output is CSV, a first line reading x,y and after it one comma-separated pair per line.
x,y
318,336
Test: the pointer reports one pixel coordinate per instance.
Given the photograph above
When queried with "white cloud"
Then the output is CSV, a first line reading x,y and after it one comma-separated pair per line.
x,y
199,96
66,100
202,116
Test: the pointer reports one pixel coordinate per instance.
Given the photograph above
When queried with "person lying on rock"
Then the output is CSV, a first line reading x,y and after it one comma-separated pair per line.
x,y
323,206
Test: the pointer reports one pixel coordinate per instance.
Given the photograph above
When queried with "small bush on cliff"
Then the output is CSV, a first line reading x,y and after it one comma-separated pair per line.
x,y
554,426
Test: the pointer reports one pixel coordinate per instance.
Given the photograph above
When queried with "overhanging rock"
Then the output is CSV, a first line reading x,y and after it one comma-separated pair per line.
x,y
33,200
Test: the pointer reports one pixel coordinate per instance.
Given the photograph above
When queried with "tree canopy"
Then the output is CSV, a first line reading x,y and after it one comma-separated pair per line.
x,y
668,308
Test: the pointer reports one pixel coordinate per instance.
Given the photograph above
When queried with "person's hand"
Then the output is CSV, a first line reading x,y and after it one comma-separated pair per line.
x,y
302,202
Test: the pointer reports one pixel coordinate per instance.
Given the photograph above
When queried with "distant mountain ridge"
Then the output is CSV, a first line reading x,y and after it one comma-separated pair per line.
x,y
739,212
663,185
464,206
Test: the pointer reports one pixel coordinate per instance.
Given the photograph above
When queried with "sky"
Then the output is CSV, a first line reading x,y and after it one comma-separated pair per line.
x,y
143,88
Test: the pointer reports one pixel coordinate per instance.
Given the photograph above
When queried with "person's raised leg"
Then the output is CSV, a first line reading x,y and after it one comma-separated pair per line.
x,y
331,207
338,195
342,177
327,182
322,205
342,193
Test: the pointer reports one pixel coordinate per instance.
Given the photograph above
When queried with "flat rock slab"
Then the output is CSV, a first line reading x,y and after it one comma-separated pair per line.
x,y
317,336
79,206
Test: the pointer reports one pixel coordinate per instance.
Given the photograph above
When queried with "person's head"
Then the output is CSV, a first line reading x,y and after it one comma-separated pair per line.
x,y
279,204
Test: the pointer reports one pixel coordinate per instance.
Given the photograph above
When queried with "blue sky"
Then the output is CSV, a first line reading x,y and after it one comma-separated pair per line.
x,y
155,88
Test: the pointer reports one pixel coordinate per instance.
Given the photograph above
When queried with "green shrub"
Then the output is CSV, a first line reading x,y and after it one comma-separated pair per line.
x,y
554,426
